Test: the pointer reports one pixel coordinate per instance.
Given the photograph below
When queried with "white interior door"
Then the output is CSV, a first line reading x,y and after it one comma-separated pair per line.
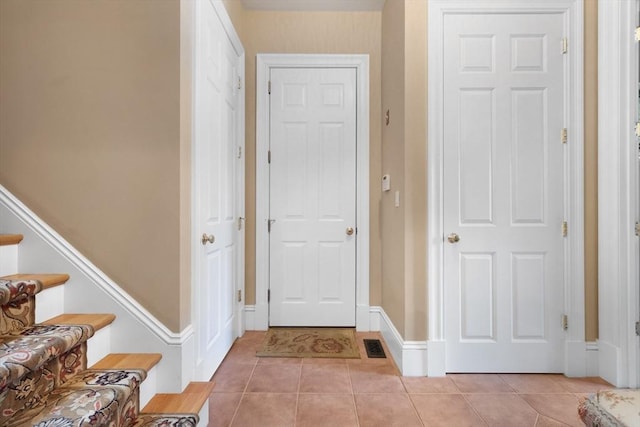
x,y
504,162
216,124
312,197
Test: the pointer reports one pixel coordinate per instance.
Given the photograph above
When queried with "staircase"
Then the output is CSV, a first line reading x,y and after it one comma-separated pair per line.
x,y
59,372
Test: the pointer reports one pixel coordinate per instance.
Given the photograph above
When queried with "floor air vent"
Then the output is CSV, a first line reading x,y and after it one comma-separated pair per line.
x,y
374,349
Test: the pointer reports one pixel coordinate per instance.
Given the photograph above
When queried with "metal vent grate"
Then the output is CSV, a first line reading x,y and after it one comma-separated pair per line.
x,y
374,349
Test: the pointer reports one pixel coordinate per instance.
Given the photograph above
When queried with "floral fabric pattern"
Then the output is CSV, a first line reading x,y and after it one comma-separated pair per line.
x,y
37,345
611,408
94,397
24,399
17,298
166,420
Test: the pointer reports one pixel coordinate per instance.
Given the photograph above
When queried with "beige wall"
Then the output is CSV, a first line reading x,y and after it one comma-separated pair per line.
x,y
404,95
311,32
591,167
392,219
90,135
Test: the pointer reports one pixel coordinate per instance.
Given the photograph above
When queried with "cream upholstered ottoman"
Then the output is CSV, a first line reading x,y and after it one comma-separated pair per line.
x,y
611,408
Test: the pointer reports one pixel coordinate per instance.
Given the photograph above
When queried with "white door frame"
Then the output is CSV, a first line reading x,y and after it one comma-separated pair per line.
x,y
192,59
264,63
572,10
618,199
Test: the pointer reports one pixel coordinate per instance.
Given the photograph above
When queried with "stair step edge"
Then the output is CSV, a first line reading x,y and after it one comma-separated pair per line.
x,y
10,239
144,361
190,401
97,321
48,280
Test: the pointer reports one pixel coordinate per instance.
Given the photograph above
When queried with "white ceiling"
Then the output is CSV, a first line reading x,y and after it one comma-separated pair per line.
x,y
314,5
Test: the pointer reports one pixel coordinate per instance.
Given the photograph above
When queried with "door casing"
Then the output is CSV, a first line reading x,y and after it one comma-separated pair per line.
x,y
572,11
264,63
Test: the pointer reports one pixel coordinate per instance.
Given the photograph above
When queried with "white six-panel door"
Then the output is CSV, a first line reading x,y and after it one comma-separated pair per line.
x,y
504,163
216,124
313,197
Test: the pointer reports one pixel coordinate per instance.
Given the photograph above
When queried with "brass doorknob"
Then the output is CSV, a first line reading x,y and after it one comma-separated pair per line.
x,y
453,238
349,231
208,238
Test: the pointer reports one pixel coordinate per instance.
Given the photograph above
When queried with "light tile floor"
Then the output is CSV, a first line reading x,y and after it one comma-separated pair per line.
x,y
279,392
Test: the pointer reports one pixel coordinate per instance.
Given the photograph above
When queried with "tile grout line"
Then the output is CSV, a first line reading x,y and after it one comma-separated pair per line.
x,y
295,412
244,392
353,393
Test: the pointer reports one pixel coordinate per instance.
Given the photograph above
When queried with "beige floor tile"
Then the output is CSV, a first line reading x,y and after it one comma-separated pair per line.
x,y
560,407
266,410
429,385
386,410
232,377
375,379
331,378
504,409
279,360
445,410
534,383
274,379
320,410
222,407
548,422
584,385
480,383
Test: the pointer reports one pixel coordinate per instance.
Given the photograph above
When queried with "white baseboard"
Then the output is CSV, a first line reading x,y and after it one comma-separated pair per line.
x,y
249,317
410,356
609,363
592,359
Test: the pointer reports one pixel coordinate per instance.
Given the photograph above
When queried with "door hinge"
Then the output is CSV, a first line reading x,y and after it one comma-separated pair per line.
x,y
637,128
239,82
239,295
239,151
638,328
565,229
563,135
269,87
240,219
565,322
269,223
269,156
268,295
565,45
637,34
637,228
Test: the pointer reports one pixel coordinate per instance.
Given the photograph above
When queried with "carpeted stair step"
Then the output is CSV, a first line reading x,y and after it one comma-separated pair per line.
x,y
136,361
10,239
39,359
182,409
18,299
100,343
94,397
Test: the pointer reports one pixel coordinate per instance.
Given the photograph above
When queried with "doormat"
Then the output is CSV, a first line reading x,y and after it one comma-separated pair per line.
x,y
310,342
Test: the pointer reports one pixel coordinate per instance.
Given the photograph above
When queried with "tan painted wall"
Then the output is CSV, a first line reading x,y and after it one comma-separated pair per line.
x,y
90,134
591,167
311,32
393,162
415,155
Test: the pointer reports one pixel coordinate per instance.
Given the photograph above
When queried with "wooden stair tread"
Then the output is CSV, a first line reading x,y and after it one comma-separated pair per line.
x,y
10,239
144,361
190,401
98,321
48,280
